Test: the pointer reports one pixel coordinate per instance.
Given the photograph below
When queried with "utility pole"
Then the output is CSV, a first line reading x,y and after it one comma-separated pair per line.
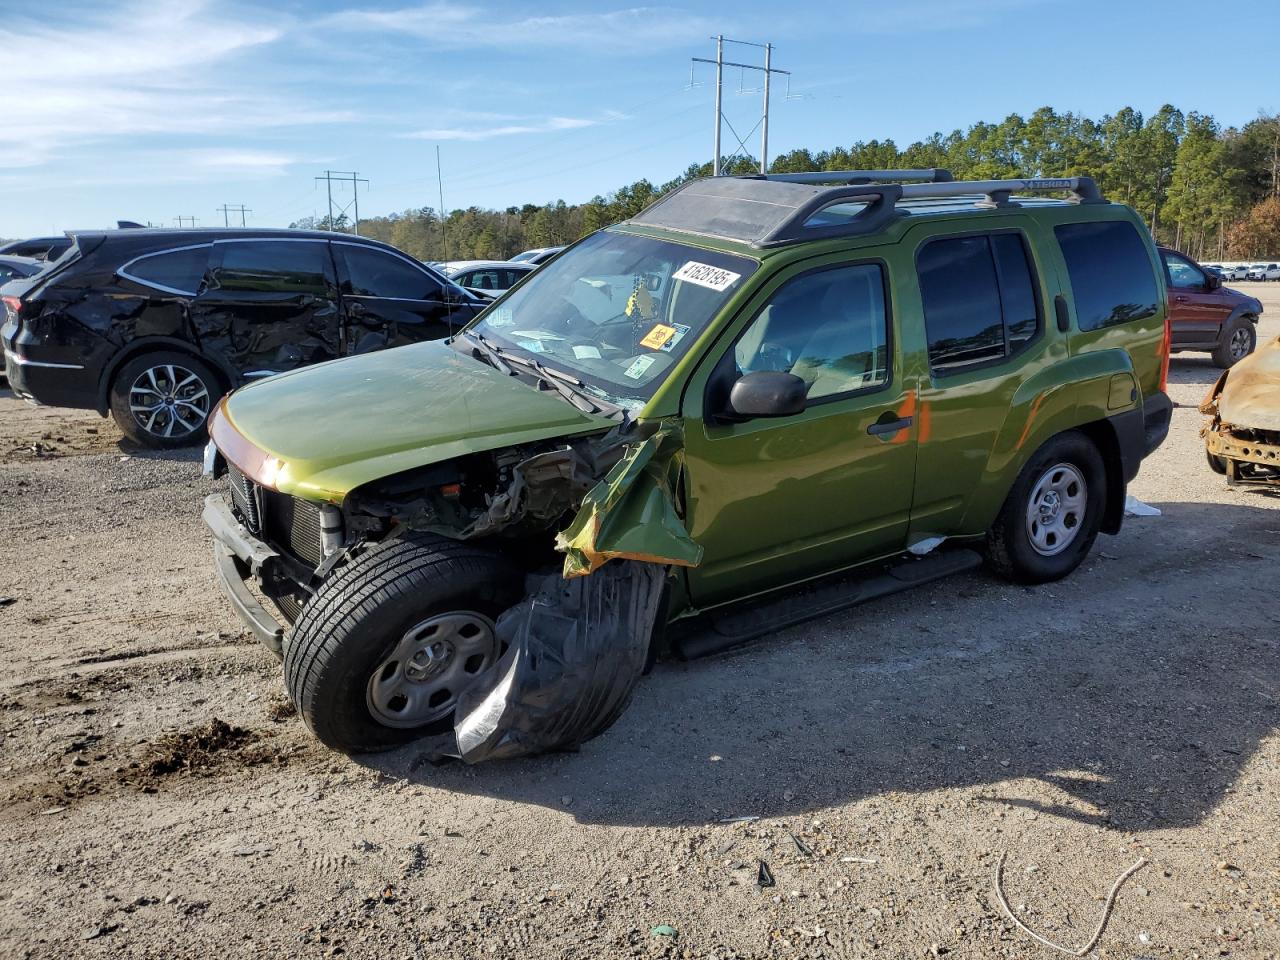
x,y
768,70
342,176
182,221
227,209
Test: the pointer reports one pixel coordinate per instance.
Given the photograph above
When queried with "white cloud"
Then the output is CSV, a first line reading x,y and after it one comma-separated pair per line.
x,y
503,130
144,68
448,25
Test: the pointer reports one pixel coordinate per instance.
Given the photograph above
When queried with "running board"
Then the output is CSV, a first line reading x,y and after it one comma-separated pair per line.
x,y
714,632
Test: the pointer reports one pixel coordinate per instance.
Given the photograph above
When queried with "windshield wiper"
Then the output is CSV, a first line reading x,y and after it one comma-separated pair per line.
x,y
489,352
569,387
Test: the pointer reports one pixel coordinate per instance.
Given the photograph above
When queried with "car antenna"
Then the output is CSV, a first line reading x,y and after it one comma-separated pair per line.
x,y
444,236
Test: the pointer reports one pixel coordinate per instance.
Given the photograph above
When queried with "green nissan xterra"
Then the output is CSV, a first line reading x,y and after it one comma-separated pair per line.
x,y
761,399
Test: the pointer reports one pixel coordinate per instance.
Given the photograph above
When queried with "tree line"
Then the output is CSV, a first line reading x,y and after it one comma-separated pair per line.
x,y
1210,191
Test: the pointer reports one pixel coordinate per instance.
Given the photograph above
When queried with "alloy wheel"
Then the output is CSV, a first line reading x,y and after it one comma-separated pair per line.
x,y
1056,509
1240,343
168,400
434,662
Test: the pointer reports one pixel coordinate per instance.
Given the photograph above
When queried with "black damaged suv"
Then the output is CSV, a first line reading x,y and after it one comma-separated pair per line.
x,y
154,326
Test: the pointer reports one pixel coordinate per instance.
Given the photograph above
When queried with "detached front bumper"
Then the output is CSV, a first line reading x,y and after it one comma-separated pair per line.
x,y
1244,460
237,556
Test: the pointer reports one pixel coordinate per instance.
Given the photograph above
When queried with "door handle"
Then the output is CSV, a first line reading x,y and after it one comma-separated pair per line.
x,y
1060,312
1179,299
882,427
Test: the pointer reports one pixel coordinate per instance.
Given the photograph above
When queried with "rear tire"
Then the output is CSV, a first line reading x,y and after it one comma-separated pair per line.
x,y
162,399
1051,517
1238,341
380,654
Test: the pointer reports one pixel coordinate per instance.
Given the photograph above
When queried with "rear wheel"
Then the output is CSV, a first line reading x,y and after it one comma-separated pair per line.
x,y
163,399
1051,517
382,652
1238,341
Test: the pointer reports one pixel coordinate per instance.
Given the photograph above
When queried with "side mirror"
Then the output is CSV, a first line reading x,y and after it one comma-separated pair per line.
x,y
766,393
1212,281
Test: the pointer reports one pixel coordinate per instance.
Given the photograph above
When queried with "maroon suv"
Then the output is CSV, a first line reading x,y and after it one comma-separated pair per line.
x,y
1205,315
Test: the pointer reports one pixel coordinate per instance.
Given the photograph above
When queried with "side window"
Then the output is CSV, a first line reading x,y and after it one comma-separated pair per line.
x,y
1111,277
829,327
274,266
979,299
373,273
1183,274
175,271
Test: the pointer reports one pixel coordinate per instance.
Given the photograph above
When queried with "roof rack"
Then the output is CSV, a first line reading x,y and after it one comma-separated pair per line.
x,y
928,175
777,209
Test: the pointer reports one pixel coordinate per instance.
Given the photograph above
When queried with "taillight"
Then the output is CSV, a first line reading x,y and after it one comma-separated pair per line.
x,y
13,305
1166,348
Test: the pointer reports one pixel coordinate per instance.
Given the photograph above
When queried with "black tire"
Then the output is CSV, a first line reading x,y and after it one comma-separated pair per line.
x,y
362,614
1216,464
148,381
1011,551
1238,340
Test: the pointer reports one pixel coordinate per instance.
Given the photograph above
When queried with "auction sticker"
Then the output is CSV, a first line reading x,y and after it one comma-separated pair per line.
x,y
705,275
680,330
657,338
639,366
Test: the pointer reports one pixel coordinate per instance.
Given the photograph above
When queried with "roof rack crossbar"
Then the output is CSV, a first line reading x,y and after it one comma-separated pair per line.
x,y
930,175
998,192
880,200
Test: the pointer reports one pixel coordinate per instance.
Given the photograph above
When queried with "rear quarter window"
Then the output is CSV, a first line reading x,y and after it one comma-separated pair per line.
x,y
1112,280
175,271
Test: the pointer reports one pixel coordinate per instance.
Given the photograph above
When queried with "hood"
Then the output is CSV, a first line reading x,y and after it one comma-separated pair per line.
x,y
322,431
1250,397
1244,298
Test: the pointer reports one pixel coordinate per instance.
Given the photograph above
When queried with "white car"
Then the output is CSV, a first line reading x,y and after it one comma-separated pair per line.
x,y
487,277
1264,271
540,255
1237,272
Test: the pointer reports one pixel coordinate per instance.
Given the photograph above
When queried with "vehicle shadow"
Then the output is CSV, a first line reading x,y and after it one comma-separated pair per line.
x,y
1193,369
1133,689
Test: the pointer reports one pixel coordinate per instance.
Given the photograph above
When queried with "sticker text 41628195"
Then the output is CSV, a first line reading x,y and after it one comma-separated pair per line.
x,y
705,275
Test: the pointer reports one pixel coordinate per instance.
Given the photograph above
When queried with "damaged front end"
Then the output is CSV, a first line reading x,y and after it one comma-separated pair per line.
x,y
1242,438
574,645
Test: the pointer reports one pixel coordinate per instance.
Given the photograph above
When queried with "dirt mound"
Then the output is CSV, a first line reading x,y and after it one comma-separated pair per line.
x,y
194,750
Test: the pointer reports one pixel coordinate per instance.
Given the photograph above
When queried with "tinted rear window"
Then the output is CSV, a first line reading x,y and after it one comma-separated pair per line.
x,y
375,273
1111,276
979,299
180,270
275,266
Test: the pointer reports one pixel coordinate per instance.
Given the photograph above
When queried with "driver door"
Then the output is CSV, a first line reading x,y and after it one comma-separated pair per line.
x,y
777,500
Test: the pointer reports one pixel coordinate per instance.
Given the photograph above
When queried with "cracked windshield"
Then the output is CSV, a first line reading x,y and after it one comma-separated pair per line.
x,y
616,312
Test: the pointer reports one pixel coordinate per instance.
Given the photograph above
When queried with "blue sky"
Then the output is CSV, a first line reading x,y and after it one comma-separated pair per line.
x,y
151,110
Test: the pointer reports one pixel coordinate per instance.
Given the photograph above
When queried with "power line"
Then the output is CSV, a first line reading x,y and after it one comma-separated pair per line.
x,y
342,176
768,70
182,220
227,209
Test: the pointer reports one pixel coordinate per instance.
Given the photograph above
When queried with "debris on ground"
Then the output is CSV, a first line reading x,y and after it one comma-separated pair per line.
x,y
1102,923
764,876
1133,507
193,749
664,930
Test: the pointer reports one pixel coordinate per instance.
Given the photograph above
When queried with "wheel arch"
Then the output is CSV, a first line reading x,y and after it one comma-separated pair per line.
x,y
143,345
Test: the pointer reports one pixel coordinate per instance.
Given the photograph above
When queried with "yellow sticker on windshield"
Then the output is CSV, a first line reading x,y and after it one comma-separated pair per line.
x,y
657,338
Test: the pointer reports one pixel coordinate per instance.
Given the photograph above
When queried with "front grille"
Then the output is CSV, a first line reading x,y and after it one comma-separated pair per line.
x,y
294,525
244,499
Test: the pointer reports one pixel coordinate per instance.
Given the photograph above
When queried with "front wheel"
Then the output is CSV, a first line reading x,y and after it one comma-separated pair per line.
x,y
383,651
1051,517
1238,341
162,399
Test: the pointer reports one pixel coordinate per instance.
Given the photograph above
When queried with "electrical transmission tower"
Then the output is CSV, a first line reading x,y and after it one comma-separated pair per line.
x,y
721,120
342,176
182,221
227,209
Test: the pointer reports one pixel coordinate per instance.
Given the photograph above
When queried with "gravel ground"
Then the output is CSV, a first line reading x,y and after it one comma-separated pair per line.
x,y
159,798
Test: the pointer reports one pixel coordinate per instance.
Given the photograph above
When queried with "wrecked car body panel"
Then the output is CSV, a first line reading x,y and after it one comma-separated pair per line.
x,y
631,514
575,650
1243,437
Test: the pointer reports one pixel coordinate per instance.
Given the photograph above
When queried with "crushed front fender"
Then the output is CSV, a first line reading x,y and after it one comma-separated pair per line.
x,y
631,514
575,650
